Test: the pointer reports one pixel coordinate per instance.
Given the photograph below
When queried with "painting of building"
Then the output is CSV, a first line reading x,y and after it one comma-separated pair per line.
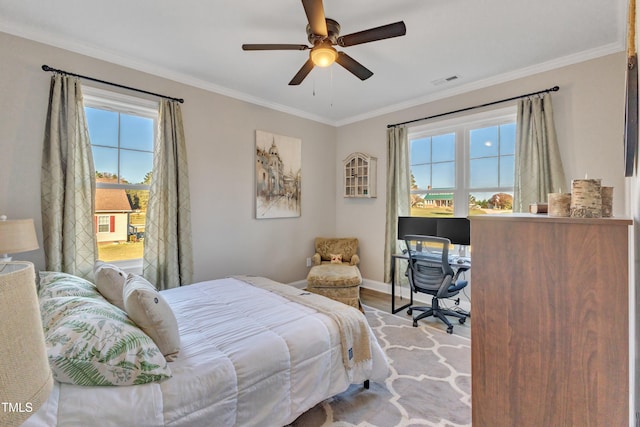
x,y
278,175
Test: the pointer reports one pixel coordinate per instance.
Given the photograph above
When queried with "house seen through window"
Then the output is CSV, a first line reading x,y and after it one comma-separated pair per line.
x,y
122,133
463,166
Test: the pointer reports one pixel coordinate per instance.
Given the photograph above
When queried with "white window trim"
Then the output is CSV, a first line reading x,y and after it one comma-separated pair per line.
x,y
114,101
133,266
461,126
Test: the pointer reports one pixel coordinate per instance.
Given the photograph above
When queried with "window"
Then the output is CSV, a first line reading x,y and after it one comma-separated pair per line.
x,y
105,224
433,173
464,166
122,133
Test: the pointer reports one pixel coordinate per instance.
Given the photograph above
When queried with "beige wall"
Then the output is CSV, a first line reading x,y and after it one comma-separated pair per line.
x,y
589,117
220,134
220,143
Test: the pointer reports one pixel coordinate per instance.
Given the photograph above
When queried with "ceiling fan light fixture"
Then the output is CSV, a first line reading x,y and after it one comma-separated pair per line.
x,y
323,33
323,56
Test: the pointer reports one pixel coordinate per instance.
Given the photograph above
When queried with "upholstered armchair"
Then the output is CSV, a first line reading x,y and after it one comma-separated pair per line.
x,y
335,273
345,247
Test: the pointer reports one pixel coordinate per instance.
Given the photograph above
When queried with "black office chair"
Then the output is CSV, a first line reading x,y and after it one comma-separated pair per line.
x,y
429,272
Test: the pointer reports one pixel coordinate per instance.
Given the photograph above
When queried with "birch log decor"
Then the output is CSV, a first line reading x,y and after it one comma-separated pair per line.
x,y
586,198
559,204
607,202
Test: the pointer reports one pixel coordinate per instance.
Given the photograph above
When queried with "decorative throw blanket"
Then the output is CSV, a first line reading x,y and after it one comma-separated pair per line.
x,y
354,330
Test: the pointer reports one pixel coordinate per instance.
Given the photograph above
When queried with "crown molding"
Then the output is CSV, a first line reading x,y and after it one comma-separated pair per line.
x,y
492,81
109,56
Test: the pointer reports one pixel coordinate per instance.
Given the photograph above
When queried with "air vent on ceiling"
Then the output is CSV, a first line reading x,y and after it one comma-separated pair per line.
x,y
444,80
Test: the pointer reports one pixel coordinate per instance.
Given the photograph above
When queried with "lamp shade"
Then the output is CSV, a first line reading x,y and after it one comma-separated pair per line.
x,y
25,375
323,56
18,235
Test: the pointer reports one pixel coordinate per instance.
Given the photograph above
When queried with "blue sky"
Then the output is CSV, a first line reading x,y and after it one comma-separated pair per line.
x,y
109,130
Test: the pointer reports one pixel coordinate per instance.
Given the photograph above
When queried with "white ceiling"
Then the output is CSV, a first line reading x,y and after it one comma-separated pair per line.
x,y
199,43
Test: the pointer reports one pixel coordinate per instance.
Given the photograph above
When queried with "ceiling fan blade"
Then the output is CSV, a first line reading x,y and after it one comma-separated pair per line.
x,y
353,66
315,15
275,47
379,33
302,73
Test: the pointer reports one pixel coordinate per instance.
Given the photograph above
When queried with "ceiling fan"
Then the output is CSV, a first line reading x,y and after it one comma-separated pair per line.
x,y
324,33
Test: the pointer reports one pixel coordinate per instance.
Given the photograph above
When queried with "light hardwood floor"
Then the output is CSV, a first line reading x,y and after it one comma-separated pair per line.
x,y
382,301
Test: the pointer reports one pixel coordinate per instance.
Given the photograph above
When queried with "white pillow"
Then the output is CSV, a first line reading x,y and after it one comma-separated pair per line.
x,y
109,280
151,312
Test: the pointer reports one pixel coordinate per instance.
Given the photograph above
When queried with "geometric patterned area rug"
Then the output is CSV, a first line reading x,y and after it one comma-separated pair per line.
x,y
429,383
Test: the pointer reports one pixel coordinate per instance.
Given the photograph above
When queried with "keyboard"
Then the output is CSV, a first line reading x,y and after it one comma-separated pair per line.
x,y
436,258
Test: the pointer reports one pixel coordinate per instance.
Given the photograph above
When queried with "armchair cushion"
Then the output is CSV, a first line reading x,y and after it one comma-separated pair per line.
x,y
347,246
334,276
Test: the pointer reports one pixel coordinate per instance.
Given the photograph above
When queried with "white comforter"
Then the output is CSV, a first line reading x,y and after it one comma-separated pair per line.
x,y
249,358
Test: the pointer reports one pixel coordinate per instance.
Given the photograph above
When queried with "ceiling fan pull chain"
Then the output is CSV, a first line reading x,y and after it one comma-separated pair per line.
x,y
331,88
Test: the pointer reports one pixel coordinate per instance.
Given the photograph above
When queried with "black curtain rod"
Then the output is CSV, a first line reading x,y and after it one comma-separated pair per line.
x,y
47,68
553,89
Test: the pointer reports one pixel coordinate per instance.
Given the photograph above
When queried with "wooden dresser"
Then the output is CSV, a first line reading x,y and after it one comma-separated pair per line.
x,y
549,331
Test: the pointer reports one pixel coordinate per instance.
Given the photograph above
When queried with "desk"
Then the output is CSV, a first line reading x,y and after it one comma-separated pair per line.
x,y
453,262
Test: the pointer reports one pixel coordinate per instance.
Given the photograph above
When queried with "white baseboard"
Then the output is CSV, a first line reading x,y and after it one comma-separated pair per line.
x,y
385,288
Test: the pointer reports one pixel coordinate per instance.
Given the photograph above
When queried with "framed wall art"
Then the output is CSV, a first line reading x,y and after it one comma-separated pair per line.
x,y
278,175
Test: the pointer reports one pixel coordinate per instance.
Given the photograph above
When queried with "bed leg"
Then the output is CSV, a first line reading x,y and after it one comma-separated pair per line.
x,y
366,384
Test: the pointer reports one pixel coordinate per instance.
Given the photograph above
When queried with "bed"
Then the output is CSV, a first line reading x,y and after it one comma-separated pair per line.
x,y
249,356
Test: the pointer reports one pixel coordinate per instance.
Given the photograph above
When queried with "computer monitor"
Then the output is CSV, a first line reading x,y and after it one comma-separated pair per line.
x,y
416,225
458,230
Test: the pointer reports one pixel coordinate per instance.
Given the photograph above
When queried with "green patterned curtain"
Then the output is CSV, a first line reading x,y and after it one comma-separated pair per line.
x,y
398,183
539,168
168,259
68,182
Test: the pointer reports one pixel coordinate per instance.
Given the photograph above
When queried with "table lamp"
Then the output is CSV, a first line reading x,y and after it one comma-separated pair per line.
x,y
16,236
25,375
